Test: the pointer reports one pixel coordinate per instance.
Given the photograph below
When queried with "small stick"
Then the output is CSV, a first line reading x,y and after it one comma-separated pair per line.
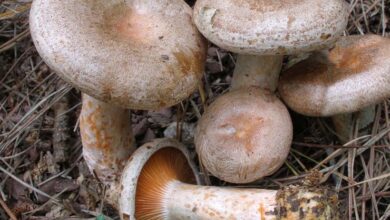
x,y
61,129
8,210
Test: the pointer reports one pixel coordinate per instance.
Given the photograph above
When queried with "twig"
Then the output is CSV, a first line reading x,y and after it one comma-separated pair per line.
x,y
8,210
61,129
29,186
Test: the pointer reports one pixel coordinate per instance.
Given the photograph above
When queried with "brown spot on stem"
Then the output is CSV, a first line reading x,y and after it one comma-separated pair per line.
x,y
262,211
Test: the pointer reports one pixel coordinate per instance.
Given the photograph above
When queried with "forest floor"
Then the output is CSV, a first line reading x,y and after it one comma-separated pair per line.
x,y
42,171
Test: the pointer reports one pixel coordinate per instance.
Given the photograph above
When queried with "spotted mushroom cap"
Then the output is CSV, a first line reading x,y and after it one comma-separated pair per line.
x,y
136,54
244,135
267,27
150,169
347,78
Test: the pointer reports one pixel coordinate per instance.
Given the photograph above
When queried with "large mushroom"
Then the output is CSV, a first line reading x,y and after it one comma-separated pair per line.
x,y
158,184
121,55
275,28
135,54
235,140
347,78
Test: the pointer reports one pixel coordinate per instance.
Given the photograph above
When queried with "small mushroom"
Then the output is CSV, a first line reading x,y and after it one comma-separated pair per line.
x,y
244,135
347,78
134,54
159,183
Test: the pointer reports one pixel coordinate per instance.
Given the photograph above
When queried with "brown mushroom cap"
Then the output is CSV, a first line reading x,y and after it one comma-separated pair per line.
x,y
267,27
244,135
351,76
136,54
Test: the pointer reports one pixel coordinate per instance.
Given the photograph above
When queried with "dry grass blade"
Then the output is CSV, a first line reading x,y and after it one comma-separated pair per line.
x,y
11,13
11,43
33,114
28,186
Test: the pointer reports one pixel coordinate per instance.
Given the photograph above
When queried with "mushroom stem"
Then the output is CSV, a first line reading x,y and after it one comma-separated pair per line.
x,y
185,201
343,123
106,134
260,71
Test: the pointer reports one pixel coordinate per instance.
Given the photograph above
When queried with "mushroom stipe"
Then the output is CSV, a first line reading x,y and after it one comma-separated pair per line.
x,y
160,186
107,138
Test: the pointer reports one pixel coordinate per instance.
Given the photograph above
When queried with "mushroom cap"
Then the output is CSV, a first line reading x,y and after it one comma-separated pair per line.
x,y
244,135
264,27
148,171
349,77
135,54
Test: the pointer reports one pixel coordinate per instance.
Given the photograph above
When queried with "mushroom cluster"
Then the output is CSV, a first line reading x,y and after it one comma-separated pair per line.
x,y
246,134
148,55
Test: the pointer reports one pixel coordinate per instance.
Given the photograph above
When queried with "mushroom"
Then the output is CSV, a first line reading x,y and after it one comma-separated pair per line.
x,y
244,135
272,28
250,145
121,54
347,78
134,54
158,183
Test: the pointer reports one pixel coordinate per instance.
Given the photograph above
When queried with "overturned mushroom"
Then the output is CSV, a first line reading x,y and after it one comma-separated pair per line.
x,y
347,78
158,183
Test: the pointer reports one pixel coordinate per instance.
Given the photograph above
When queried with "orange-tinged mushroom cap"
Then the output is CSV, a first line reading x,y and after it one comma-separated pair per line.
x,y
347,78
136,54
244,135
